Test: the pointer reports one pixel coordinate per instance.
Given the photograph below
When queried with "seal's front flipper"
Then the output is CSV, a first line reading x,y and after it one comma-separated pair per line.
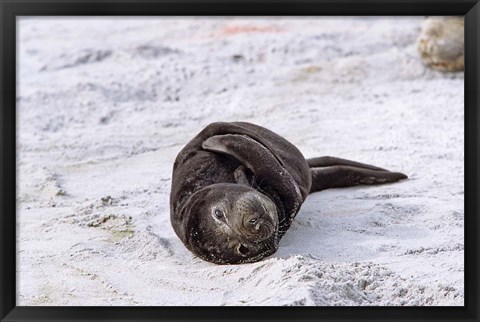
x,y
256,159
241,147
269,173
338,176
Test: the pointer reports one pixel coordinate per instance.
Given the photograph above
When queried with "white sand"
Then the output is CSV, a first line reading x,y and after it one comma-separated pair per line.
x,y
104,106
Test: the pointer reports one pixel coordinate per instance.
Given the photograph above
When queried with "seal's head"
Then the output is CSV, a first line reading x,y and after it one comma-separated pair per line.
x,y
231,224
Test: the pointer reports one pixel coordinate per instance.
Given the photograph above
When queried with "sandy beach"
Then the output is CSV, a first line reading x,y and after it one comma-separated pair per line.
x,y
105,104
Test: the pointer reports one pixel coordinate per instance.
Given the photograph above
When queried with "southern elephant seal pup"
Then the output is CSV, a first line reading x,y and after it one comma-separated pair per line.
x,y
236,188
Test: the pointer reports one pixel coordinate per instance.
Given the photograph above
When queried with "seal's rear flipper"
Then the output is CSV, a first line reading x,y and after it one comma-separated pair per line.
x,y
338,176
331,161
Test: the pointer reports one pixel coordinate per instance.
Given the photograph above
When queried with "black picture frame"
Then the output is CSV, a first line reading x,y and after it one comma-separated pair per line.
x,y
10,9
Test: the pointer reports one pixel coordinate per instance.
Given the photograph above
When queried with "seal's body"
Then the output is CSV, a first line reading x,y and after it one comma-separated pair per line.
x,y
236,188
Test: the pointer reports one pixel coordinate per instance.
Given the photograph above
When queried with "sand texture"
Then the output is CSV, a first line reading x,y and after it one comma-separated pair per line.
x,y
105,105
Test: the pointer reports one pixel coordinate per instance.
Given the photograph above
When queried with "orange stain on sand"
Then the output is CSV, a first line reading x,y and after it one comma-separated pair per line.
x,y
239,29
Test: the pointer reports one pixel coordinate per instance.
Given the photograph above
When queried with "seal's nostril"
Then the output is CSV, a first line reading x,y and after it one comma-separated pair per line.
x,y
243,250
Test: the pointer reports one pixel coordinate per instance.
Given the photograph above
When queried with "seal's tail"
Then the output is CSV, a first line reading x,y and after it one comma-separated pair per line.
x,y
330,172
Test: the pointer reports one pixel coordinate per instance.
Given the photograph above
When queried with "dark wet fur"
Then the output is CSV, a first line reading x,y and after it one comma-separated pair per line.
x,y
208,167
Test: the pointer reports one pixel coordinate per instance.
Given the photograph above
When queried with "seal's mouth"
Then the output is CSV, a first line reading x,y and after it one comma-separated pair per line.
x,y
249,253
243,250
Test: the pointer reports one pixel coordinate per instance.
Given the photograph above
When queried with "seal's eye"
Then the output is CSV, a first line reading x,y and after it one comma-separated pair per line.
x,y
218,213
